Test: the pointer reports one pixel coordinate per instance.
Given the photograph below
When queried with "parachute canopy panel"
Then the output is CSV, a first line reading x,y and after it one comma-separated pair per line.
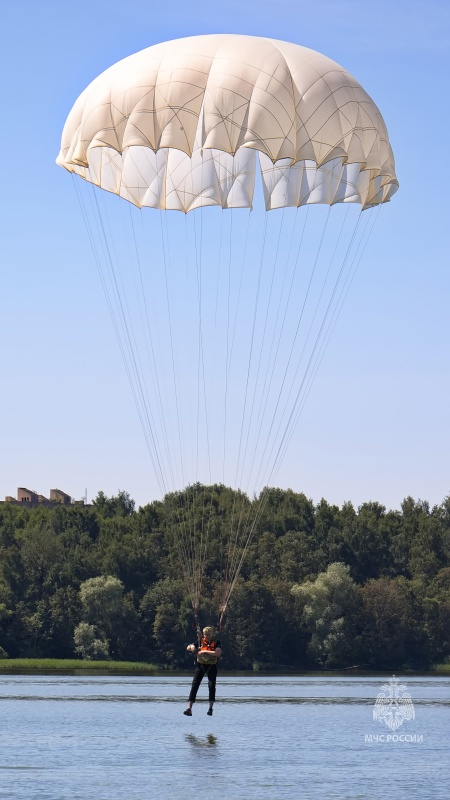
x,y
188,123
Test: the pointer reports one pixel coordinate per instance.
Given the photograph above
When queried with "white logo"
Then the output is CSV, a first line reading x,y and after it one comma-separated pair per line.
x,y
391,707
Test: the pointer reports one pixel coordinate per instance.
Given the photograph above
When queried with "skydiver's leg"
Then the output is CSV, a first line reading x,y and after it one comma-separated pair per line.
x,y
212,676
196,681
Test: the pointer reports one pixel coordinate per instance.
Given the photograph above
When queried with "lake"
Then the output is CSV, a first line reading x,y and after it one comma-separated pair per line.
x,y
308,737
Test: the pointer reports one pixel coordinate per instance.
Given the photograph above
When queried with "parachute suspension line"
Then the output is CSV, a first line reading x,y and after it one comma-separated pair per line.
x,y
229,350
161,385
238,536
244,254
186,246
230,548
332,322
248,532
189,509
176,523
190,496
252,345
265,463
310,370
275,360
218,268
372,217
272,337
227,346
292,349
204,539
184,541
148,340
190,548
167,269
165,244
122,338
240,561
128,333
342,296
200,372
201,382
110,304
219,261
265,390
289,425
188,502
265,493
263,340
132,320
229,360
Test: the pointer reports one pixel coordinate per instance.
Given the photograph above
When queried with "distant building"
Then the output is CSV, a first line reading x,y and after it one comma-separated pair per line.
x,y
57,496
30,499
25,496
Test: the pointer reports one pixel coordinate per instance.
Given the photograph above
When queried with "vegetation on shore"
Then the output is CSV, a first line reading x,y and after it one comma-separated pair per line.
x,y
321,587
70,664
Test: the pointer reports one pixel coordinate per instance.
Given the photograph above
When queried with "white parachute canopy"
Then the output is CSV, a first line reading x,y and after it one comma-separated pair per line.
x,y
179,125
223,319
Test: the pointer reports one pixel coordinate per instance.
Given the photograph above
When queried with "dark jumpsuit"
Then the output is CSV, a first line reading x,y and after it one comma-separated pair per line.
x,y
200,671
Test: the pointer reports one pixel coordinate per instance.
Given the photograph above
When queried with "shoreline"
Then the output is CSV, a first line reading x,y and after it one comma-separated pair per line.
x,y
74,666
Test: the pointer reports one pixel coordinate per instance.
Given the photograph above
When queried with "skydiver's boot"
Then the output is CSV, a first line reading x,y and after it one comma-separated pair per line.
x,y
187,712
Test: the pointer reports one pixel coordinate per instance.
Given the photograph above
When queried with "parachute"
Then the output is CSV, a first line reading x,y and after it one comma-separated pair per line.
x,y
224,312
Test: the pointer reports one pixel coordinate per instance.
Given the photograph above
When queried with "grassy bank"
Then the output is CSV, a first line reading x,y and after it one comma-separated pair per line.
x,y
73,663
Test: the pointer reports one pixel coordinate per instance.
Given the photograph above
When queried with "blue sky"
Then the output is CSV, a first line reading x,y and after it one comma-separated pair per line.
x,y
376,425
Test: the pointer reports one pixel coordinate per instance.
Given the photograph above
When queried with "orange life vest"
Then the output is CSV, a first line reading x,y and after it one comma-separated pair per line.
x,y
206,652
207,646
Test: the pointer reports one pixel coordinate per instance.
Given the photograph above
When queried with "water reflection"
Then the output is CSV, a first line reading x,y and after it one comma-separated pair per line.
x,y
201,741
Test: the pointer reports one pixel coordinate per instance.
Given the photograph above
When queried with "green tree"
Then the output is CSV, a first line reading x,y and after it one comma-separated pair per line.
x,y
427,548
41,555
105,607
88,645
251,623
436,605
120,505
392,632
327,615
165,616
5,617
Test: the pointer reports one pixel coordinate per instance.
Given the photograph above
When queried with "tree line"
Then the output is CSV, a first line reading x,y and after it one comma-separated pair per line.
x,y
320,587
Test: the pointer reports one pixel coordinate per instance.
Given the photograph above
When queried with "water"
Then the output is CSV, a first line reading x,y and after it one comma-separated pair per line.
x,y
93,737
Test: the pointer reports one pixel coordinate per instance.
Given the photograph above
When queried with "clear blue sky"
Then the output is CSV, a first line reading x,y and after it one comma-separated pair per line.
x,y
377,421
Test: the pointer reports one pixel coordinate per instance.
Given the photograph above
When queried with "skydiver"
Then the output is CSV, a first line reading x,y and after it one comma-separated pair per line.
x,y
208,651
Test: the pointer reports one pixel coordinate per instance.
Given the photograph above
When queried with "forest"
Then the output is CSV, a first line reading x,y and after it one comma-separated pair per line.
x,y
321,587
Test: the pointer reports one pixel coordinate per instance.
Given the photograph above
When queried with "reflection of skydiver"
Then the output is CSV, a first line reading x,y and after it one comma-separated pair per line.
x,y
197,741
208,651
